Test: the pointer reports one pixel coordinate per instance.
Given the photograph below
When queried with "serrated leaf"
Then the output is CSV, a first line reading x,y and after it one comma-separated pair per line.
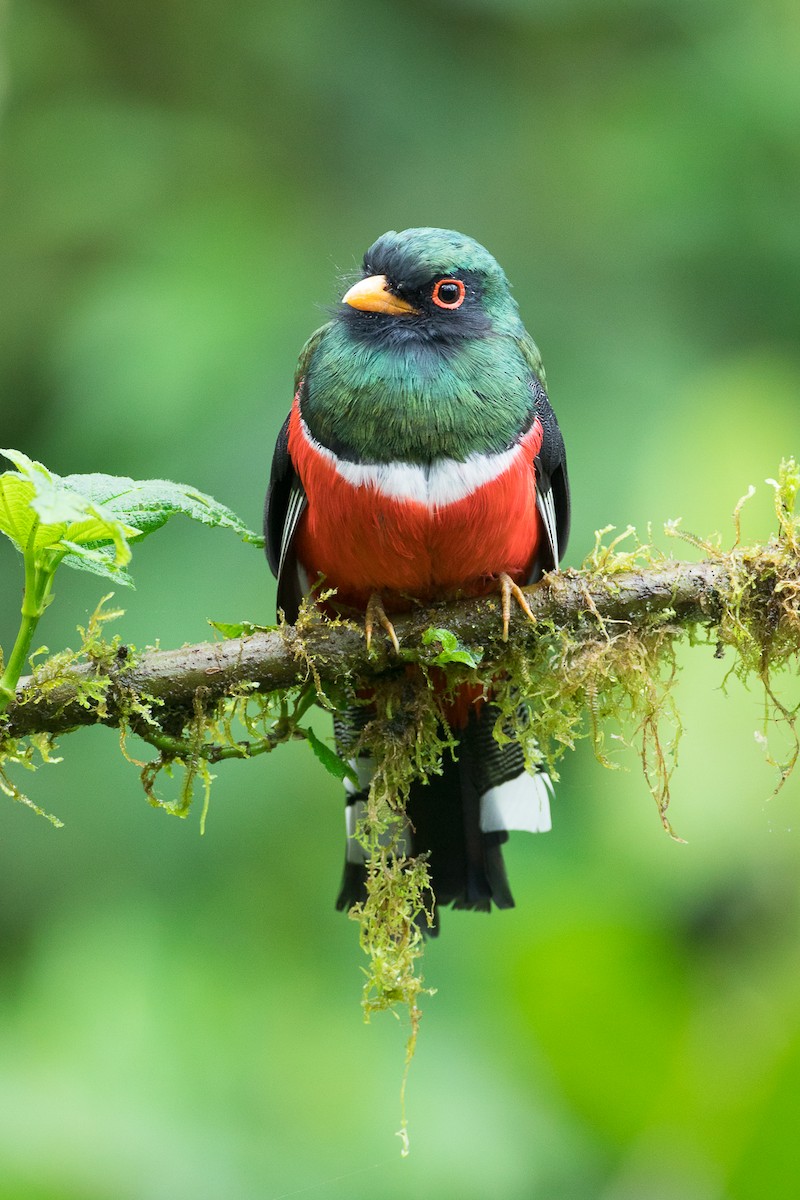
x,y
86,520
64,519
331,761
28,467
97,561
149,503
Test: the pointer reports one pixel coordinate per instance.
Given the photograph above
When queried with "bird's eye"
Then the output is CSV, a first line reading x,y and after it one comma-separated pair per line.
x,y
448,293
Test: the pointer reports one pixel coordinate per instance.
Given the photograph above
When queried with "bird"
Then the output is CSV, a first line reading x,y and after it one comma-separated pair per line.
x,y
422,460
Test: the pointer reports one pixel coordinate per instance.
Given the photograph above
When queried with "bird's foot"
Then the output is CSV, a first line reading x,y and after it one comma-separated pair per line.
x,y
508,589
376,613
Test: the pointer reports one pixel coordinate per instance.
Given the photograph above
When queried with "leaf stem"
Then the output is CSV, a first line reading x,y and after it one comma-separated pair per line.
x,y
36,597
16,662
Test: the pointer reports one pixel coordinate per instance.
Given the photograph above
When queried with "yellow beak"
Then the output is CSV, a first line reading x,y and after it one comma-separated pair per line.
x,y
373,295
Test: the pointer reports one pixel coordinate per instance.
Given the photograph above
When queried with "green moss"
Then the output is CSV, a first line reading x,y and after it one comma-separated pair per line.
x,y
585,681
28,753
762,619
594,678
408,736
52,672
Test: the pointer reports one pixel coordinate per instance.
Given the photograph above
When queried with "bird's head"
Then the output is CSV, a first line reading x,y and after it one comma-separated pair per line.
x,y
432,285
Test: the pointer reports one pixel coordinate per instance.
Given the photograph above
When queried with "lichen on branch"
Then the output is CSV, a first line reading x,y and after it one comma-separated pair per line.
x,y
599,654
602,647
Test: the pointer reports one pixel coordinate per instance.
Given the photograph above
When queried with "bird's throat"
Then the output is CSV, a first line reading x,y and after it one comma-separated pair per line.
x,y
416,403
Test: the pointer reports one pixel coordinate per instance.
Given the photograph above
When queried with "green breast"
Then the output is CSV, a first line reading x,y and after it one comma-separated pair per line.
x,y
416,402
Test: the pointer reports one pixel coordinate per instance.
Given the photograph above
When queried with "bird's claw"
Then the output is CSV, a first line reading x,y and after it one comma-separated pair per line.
x,y
377,613
508,589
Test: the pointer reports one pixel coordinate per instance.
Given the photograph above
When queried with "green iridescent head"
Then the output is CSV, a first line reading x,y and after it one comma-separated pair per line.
x,y
426,358
448,284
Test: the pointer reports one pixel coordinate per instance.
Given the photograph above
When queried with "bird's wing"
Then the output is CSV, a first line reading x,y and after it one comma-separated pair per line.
x,y
552,482
285,504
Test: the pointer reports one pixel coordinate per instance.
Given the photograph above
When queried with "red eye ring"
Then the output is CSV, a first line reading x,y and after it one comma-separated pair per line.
x,y
450,283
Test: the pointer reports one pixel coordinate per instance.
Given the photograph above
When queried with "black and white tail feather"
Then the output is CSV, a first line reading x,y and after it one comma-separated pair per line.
x,y
462,817
459,819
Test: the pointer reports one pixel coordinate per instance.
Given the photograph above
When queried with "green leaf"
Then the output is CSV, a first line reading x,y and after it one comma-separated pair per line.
x,y
453,651
87,520
17,518
237,629
97,561
330,760
149,503
229,629
63,521
28,466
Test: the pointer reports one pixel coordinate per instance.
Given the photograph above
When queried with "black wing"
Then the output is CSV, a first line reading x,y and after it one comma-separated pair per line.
x,y
552,486
285,505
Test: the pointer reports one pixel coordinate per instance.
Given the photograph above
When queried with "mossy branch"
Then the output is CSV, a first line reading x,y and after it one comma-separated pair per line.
x,y
684,594
601,648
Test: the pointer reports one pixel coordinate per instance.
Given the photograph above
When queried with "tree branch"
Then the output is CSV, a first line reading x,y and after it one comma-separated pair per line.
x,y
280,658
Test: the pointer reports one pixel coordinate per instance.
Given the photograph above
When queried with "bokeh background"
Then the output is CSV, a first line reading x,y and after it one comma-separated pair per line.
x,y
181,187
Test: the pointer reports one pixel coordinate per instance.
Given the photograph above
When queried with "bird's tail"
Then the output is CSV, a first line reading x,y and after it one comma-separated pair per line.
x,y
459,819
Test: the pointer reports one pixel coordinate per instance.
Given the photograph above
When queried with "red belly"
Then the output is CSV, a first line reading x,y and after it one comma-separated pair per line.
x,y
364,542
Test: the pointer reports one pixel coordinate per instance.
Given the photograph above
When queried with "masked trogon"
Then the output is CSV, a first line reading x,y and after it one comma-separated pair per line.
x,y
421,460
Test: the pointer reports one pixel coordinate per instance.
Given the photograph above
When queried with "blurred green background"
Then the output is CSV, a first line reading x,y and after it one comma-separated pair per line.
x,y
181,186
